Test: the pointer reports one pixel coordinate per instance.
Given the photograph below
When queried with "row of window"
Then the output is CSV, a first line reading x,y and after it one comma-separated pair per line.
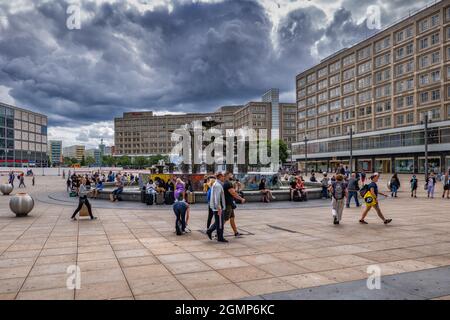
x,y
366,52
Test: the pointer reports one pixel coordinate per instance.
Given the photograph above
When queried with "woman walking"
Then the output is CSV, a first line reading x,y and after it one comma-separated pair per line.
x,y
83,199
431,182
371,200
395,185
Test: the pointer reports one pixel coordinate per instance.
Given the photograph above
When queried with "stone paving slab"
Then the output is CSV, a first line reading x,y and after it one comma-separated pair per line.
x,y
418,285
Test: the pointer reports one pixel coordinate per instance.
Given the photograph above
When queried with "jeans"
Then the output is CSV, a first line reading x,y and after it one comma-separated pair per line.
x,y
210,216
218,225
117,192
352,194
394,189
180,217
83,200
324,192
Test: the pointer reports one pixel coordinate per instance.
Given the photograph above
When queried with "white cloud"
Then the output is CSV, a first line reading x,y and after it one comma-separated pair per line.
x,y
88,135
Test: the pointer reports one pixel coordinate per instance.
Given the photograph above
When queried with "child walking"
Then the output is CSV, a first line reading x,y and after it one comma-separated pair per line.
x,y
413,182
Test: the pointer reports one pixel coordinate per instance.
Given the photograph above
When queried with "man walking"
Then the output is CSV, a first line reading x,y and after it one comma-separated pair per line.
x,y
230,195
217,205
353,189
338,190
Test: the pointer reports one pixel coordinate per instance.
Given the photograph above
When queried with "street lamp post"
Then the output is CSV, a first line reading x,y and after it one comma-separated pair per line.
x,y
306,156
351,150
426,145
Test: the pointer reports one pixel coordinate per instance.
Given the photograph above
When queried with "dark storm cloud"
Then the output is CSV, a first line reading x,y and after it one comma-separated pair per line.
x,y
194,58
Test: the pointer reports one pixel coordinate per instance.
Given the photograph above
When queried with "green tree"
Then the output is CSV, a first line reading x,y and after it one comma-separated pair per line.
x,y
124,161
90,161
153,160
140,161
83,161
109,161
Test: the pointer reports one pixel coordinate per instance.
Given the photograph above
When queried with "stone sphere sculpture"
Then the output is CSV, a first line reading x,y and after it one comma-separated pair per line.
x,y
6,189
21,204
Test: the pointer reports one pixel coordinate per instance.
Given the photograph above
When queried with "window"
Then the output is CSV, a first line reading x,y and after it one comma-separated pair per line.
x,y
424,79
364,53
423,43
322,84
349,74
322,121
364,82
334,118
302,93
323,108
384,106
335,66
336,92
311,112
364,97
301,104
365,67
435,57
382,60
302,115
348,60
435,39
424,97
334,79
334,105
349,101
322,72
311,78
435,95
435,76
311,89
322,96
423,61
349,87
435,20
311,123
423,25
383,91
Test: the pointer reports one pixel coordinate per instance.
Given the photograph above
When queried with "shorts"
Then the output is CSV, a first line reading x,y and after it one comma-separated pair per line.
x,y
229,212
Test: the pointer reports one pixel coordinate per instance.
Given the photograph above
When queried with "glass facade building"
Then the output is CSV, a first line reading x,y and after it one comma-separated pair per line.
x,y
23,137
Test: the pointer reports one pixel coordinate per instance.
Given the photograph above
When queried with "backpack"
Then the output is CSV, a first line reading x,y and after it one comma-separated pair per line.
x,y
338,191
364,189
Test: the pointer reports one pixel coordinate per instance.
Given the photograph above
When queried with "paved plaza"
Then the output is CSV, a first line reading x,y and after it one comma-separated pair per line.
x,y
132,252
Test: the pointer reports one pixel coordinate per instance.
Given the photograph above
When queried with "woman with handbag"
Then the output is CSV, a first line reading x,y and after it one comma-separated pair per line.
x,y
83,199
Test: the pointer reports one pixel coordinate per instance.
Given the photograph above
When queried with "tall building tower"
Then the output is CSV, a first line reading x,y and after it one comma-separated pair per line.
x,y
273,96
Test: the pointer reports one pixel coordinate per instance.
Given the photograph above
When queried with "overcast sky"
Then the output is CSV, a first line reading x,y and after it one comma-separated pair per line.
x,y
166,55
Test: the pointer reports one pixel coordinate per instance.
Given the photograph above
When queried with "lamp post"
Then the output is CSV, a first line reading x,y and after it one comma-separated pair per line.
x,y
306,156
351,150
426,145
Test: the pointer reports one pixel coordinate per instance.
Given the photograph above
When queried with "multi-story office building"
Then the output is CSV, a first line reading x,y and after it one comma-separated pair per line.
x,y
55,152
381,89
23,137
74,152
143,133
273,96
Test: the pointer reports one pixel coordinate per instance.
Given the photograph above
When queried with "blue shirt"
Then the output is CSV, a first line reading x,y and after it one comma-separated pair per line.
x,y
375,188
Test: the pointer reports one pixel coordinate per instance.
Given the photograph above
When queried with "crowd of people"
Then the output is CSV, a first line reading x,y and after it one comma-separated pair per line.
x,y
224,192
20,177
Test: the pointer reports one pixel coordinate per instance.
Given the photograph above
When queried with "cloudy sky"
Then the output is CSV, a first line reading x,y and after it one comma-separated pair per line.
x,y
166,55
